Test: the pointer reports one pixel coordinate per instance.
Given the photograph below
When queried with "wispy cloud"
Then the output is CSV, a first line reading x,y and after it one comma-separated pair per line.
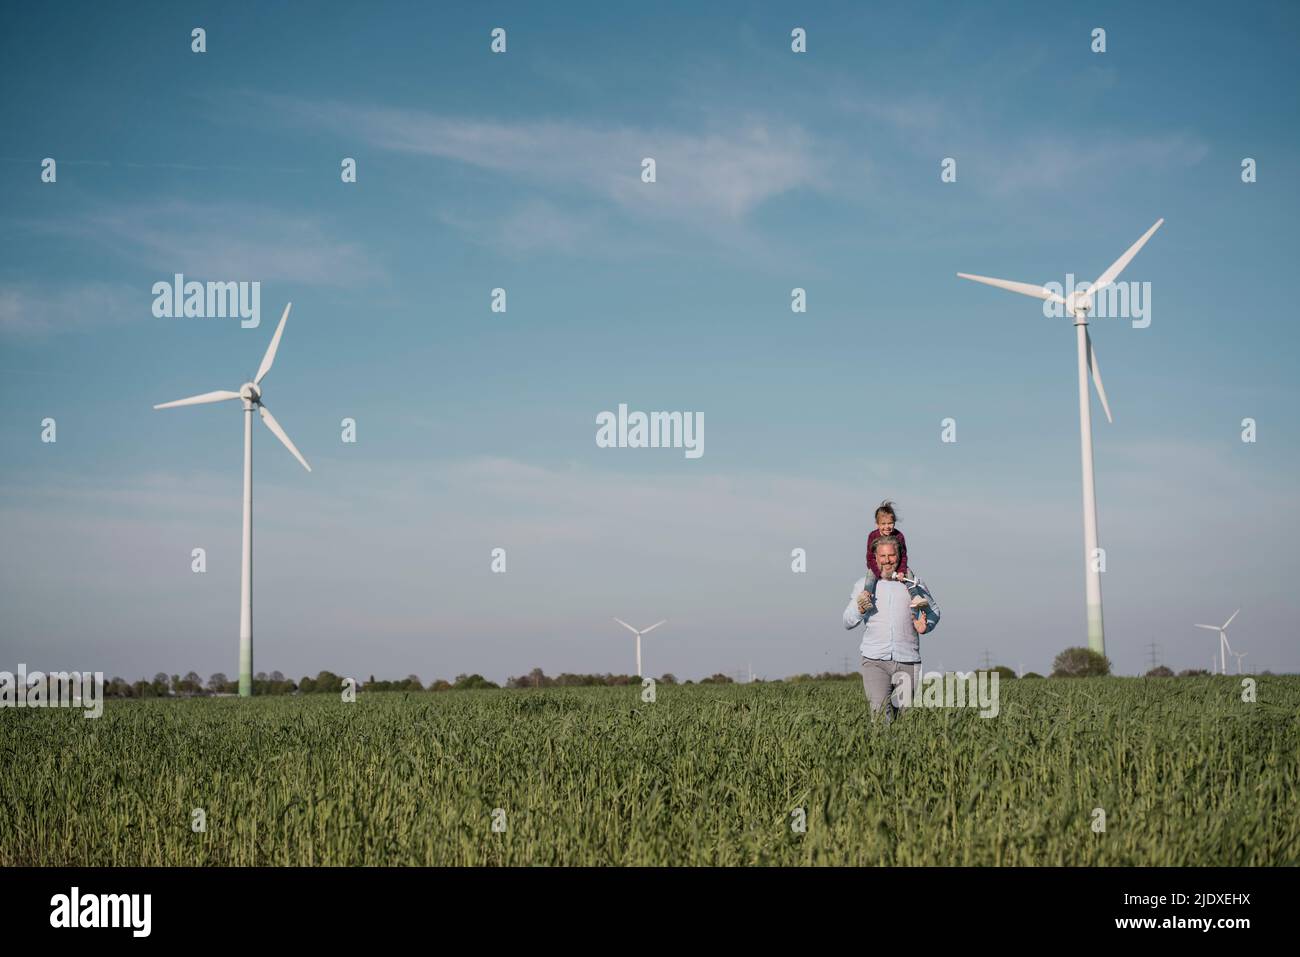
x,y
228,241
536,224
718,174
1080,159
32,310
914,112
1009,160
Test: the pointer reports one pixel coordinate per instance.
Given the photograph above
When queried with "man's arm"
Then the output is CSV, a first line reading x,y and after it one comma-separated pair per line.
x,y
853,617
932,611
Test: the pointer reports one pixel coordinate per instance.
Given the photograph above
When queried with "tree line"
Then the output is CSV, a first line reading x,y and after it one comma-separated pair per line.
x,y
326,682
192,684
1070,663
539,679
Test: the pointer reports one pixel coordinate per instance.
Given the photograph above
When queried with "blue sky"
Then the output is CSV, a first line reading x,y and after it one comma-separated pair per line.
x,y
476,429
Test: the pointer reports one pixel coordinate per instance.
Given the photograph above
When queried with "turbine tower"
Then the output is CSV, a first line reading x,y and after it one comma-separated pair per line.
x,y
251,395
643,631
1078,305
1225,649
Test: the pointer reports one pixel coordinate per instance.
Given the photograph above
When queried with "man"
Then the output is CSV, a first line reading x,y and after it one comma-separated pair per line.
x,y
891,636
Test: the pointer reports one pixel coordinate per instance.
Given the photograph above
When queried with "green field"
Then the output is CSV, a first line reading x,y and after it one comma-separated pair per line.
x,y
1186,773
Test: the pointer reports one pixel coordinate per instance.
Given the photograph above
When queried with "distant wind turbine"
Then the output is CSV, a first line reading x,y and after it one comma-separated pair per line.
x,y
1078,305
1239,655
643,631
1225,649
251,394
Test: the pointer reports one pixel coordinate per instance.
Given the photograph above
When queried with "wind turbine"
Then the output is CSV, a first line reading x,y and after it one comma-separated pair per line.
x,y
1225,649
251,395
1078,305
643,631
1239,655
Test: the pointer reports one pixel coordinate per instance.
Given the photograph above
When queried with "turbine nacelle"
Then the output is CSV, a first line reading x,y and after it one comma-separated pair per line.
x,y
1079,304
250,392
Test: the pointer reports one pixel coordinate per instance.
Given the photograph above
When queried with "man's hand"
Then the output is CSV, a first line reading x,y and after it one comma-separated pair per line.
x,y
920,624
864,602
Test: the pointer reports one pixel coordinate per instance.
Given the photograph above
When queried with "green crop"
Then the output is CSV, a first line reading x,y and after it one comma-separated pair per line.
x,y
1184,771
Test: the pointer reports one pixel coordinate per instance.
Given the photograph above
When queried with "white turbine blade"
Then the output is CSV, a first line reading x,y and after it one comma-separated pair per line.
x,y
1096,377
1110,275
653,627
1024,288
627,626
219,396
1234,615
267,359
1209,627
274,426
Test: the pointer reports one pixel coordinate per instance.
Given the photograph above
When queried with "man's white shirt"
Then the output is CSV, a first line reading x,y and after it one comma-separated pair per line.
x,y
887,633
